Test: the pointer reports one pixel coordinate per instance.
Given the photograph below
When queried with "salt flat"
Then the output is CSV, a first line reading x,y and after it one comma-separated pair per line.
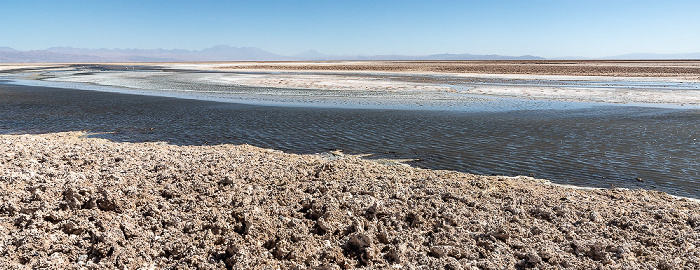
x,y
412,84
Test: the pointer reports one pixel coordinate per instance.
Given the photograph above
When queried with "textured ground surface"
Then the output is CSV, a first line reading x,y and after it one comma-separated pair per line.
x,y
390,84
70,202
624,68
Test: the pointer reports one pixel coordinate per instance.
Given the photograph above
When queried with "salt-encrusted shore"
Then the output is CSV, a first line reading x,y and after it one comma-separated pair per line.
x,y
669,82
69,201
503,77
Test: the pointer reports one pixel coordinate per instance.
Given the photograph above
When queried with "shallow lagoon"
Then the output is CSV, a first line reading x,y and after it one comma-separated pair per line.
x,y
577,143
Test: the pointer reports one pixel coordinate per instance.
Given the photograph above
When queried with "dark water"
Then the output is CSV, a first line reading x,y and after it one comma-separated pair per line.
x,y
599,146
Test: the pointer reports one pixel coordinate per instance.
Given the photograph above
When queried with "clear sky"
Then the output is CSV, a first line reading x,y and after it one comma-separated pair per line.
x,y
553,28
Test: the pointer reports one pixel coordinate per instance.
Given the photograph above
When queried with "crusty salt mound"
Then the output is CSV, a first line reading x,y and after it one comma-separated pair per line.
x,y
72,202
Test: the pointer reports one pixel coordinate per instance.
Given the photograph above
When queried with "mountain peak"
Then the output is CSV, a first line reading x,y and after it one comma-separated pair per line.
x,y
218,47
7,49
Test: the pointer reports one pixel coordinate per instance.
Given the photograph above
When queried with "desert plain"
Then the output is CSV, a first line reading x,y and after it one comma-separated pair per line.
x,y
72,201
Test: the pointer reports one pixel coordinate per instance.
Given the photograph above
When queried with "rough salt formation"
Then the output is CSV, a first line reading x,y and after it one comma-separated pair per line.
x,y
687,69
412,84
72,202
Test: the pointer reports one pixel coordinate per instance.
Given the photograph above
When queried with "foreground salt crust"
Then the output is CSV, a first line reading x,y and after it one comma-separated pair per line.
x,y
67,201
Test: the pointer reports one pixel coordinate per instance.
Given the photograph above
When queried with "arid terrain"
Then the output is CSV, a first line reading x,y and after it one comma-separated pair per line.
x,y
70,202
618,68
402,83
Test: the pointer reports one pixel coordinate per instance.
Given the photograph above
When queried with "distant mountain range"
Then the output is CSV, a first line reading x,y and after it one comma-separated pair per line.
x,y
216,53
228,53
70,54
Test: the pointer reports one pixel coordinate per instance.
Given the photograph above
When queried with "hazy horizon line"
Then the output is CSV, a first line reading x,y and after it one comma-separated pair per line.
x,y
692,55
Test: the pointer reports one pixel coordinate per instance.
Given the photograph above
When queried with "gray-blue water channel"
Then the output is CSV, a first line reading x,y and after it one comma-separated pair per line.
x,y
598,146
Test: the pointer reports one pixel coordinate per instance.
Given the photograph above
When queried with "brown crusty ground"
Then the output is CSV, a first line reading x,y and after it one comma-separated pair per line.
x,y
71,202
689,69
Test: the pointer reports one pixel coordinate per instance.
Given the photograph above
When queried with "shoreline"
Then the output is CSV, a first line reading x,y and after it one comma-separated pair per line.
x,y
651,181
644,68
149,204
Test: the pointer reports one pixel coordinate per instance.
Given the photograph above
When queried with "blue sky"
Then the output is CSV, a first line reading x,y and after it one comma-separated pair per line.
x,y
587,28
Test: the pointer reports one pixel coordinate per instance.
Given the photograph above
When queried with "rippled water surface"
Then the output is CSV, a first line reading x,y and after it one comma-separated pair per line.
x,y
601,146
